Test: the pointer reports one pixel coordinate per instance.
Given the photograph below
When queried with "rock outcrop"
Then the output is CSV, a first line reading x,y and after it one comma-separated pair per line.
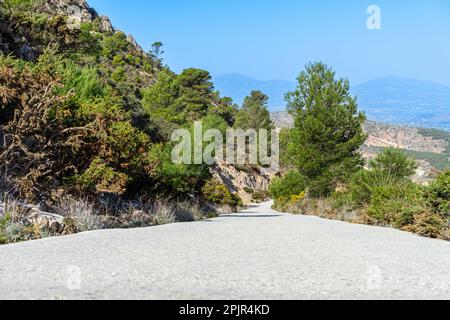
x,y
384,135
243,181
76,10
36,217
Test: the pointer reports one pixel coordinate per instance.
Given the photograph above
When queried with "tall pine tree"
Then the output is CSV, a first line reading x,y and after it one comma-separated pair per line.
x,y
328,131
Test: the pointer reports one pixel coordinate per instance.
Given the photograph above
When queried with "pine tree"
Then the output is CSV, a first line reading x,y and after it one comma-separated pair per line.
x,y
254,113
328,129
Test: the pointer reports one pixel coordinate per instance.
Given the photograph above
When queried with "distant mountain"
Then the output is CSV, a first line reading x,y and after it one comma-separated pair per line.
x,y
388,99
405,101
238,86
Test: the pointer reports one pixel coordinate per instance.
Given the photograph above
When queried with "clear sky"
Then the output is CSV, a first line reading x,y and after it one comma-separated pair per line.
x,y
269,39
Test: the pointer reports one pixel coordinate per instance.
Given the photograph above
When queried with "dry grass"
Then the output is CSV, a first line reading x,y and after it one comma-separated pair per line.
x,y
82,212
325,208
163,213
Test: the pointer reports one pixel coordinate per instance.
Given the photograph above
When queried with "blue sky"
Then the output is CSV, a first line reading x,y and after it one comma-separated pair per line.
x,y
275,39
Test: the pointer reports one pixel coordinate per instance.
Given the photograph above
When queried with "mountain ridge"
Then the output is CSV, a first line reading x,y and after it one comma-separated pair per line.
x,y
391,99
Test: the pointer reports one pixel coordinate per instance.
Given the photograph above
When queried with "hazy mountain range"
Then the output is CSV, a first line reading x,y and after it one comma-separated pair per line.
x,y
388,99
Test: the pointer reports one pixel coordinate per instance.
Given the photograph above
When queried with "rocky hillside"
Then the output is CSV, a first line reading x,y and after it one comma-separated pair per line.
x,y
246,181
429,146
85,111
26,38
402,137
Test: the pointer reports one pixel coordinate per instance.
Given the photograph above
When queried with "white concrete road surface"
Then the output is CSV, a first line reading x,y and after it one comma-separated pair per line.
x,y
257,254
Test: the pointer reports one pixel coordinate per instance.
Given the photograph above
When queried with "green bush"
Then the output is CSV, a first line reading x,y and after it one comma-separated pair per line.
x,y
216,192
395,163
127,145
101,178
172,178
389,168
292,183
365,182
260,195
118,74
84,83
115,44
18,5
13,231
438,194
396,204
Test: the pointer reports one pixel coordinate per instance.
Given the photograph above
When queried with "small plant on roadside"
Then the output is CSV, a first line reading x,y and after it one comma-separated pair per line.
x,y
216,192
292,183
80,215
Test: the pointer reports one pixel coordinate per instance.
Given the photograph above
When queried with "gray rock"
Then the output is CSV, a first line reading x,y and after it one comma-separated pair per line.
x,y
106,25
27,53
133,41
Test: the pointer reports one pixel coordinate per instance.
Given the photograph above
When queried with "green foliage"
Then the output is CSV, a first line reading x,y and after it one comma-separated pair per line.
x,y
156,52
175,101
389,168
84,83
437,194
388,197
18,5
254,113
115,44
285,141
213,121
395,163
292,183
127,145
365,182
103,179
196,93
119,74
328,129
160,100
402,206
12,231
224,108
396,204
437,160
4,221
172,178
214,191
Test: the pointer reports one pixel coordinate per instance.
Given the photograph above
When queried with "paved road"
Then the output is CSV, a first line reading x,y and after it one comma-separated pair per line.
x,y
258,254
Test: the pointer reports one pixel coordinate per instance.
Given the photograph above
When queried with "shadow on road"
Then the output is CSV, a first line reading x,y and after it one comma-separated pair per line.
x,y
249,215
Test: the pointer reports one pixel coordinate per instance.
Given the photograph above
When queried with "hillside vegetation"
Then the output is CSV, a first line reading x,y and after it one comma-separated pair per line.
x,y
85,113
